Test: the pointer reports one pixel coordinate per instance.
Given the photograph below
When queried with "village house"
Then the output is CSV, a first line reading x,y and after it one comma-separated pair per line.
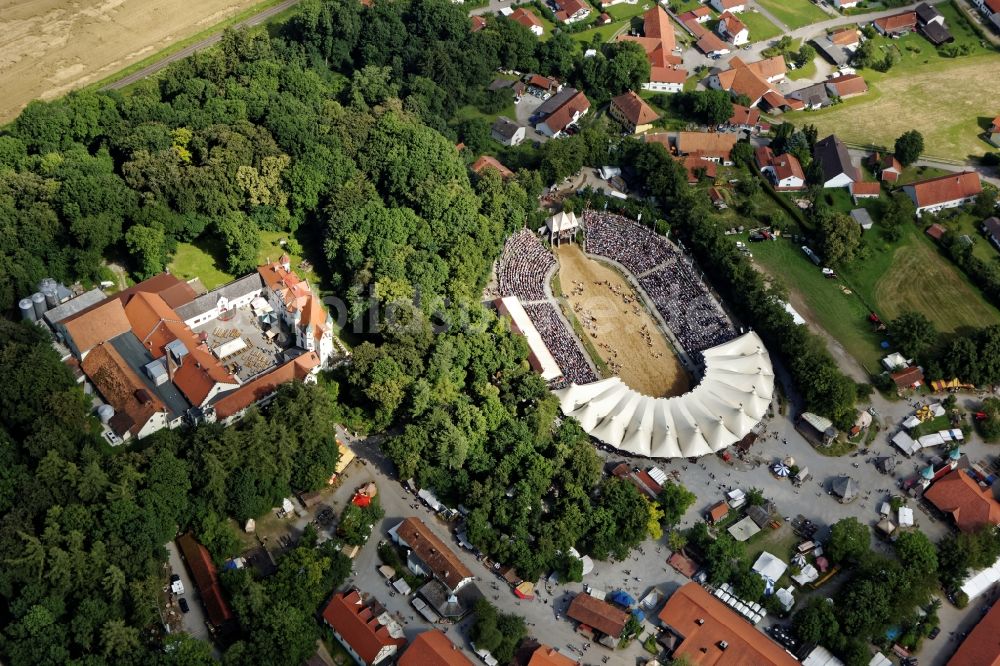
x,y
732,29
701,629
835,161
754,80
712,146
659,42
784,171
432,648
951,191
846,86
571,11
560,111
886,167
931,24
363,627
630,110
528,20
507,132
970,504
597,615
860,189
896,25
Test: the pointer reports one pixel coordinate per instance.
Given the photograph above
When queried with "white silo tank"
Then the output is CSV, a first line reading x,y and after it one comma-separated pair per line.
x,y
38,301
27,309
50,290
105,412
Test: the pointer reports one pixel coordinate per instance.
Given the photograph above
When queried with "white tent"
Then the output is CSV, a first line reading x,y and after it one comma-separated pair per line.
x,y
562,221
905,516
785,597
541,358
731,399
807,575
982,580
769,566
744,529
781,469
905,443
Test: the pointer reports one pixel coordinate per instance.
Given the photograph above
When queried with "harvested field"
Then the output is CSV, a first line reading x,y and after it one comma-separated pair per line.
x,y
625,335
920,280
49,47
903,102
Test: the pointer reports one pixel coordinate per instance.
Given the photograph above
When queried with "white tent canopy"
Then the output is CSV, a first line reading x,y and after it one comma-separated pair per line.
x,y
770,567
731,399
562,221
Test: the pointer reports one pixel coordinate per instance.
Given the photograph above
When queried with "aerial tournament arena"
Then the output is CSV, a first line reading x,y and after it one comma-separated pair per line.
x,y
640,408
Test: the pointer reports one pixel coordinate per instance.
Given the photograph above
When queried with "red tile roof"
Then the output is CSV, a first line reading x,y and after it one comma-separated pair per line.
x,y
945,188
97,324
122,388
254,391
478,23
733,26
525,18
205,579
982,646
710,43
936,231
549,656
743,115
432,648
996,121
908,377
848,85
634,109
898,22
597,614
358,625
488,162
693,164
297,296
562,117
845,37
706,144
994,5
682,565
718,511
439,558
703,623
865,188
970,506
787,166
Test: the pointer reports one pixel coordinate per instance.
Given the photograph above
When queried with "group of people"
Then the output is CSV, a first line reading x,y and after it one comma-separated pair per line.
x,y
677,292
561,343
523,266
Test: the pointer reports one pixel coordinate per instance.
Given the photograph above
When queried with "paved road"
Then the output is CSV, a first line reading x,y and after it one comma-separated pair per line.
x,y
194,620
256,19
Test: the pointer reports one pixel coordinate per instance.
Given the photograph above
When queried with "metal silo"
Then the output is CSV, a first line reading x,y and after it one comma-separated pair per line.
x,y
38,301
27,309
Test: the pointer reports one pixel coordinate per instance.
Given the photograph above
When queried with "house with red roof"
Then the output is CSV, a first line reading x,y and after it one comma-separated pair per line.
x,y
896,25
980,647
364,627
862,189
732,29
886,167
846,86
630,110
994,131
571,11
755,80
936,194
489,162
784,171
700,629
561,111
478,23
432,648
659,42
744,117
528,20
970,504
206,580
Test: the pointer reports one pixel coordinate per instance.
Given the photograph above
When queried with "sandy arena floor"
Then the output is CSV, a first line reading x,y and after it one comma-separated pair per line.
x,y
625,335
49,47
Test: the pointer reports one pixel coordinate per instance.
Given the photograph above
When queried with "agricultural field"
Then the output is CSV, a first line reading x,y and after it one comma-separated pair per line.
x,y
794,13
891,279
627,11
909,96
49,47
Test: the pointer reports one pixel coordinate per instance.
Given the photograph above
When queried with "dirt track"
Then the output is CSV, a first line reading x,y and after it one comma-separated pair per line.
x,y
49,47
625,335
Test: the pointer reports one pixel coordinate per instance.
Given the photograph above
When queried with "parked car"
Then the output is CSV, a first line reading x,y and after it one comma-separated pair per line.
x,y
176,584
183,603
934,633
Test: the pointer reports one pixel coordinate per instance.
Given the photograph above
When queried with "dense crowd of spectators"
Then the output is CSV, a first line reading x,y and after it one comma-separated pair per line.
x,y
523,266
677,292
561,342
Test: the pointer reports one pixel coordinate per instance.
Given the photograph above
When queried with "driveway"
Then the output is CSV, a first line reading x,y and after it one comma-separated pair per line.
x,y
523,111
194,620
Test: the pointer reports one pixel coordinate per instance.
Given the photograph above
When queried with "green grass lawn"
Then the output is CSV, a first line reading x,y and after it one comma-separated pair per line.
x,y
761,29
910,95
805,72
681,6
794,13
912,173
627,11
205,259
606,32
